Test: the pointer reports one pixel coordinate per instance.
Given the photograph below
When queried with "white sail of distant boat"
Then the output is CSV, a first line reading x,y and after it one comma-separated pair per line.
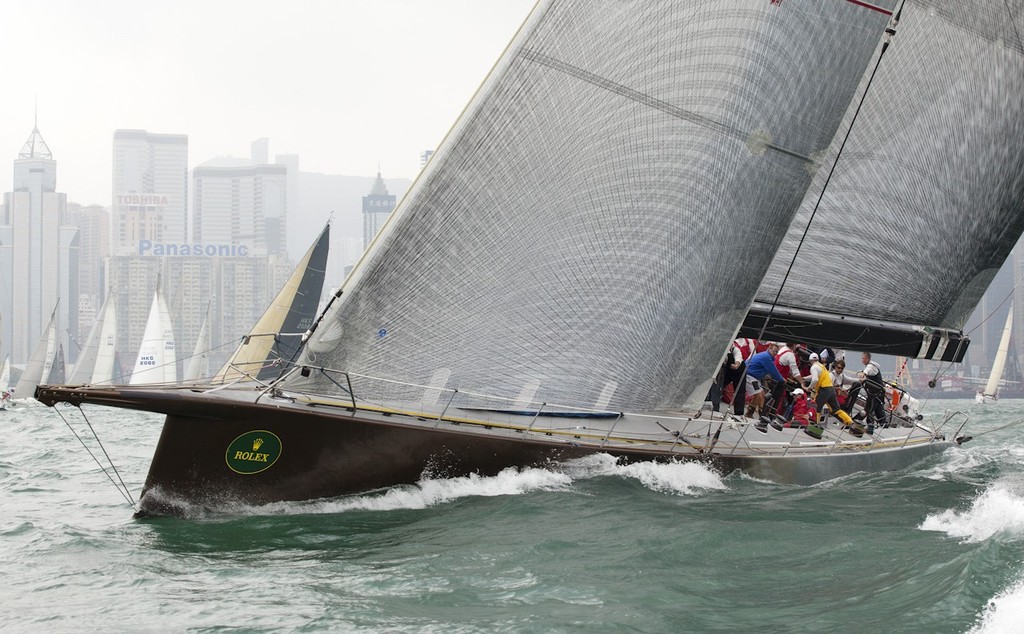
x,y
156,362
96,361
5,382
199,362
991,392
41,361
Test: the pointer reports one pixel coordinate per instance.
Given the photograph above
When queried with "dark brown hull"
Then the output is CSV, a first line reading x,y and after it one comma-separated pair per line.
x,y
322,452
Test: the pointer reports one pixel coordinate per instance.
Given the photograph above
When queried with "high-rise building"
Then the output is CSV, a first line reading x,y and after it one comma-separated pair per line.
x,y
150,195
38,253
295,241
237,289
377,206
93,223
241,204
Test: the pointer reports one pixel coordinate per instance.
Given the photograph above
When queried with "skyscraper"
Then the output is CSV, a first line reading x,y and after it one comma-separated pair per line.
x,y
241,204
377,206
150,197
38,252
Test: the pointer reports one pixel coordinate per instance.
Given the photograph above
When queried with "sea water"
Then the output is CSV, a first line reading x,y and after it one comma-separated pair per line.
x,y
582,546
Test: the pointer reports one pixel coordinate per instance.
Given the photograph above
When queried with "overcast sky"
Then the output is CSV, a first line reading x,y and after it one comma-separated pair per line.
x,y
344,84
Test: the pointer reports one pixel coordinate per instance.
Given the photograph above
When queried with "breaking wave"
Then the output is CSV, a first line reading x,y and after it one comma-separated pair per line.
x,y
1004,613
997,511
681,477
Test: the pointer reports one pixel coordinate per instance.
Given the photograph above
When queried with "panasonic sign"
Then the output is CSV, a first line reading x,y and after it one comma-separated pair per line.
x,y
196,250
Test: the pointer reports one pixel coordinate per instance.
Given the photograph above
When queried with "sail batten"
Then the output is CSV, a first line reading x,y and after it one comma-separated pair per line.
x,y
603,212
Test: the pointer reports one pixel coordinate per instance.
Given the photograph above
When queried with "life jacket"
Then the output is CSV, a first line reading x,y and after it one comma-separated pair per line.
x,y
824,377
873,382
783,368
747,347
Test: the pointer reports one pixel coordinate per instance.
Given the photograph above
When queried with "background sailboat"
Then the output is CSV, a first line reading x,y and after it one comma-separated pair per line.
x,y
41,361
156,362
991,392
199,363
279,332
96,360
5,382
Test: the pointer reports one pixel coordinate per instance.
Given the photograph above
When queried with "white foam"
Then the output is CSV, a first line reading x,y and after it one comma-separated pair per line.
x,y
1004,613
956,462
682,477
997,511
431,492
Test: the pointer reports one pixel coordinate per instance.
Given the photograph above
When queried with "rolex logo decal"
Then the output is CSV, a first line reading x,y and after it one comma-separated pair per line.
x,y
253,452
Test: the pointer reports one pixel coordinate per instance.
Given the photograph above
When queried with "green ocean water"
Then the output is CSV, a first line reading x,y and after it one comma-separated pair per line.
x,y
585,546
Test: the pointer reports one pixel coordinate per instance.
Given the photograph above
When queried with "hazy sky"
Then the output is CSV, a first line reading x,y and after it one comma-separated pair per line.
x,y
344,84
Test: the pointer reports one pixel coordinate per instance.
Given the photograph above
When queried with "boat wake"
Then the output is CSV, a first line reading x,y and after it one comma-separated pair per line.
x,y
681,478
675,478
998,511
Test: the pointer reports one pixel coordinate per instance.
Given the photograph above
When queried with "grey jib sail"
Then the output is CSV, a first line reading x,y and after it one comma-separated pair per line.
x,y
927,199
594,227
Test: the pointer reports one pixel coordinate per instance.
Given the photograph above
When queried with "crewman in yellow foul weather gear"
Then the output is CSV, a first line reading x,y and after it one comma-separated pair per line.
x,y
825,392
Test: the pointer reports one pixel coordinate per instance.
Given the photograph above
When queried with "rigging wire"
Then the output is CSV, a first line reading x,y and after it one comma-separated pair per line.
x,y
123,488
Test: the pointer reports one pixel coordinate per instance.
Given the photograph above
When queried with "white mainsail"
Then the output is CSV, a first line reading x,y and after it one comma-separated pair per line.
x,y
199,363
156,362
96,361
599,218
996,376
41,361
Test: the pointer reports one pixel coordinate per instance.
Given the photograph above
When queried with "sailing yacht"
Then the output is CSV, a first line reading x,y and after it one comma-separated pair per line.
x,y
96,360
5,383
198,368
156,362
279,333
633,186
40,363
991,391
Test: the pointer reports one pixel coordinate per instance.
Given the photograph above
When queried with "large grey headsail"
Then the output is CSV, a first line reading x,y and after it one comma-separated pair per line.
x,y
594,227
927,198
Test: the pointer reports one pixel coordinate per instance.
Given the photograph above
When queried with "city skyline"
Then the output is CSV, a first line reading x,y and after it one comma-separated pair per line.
x,y
345,86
